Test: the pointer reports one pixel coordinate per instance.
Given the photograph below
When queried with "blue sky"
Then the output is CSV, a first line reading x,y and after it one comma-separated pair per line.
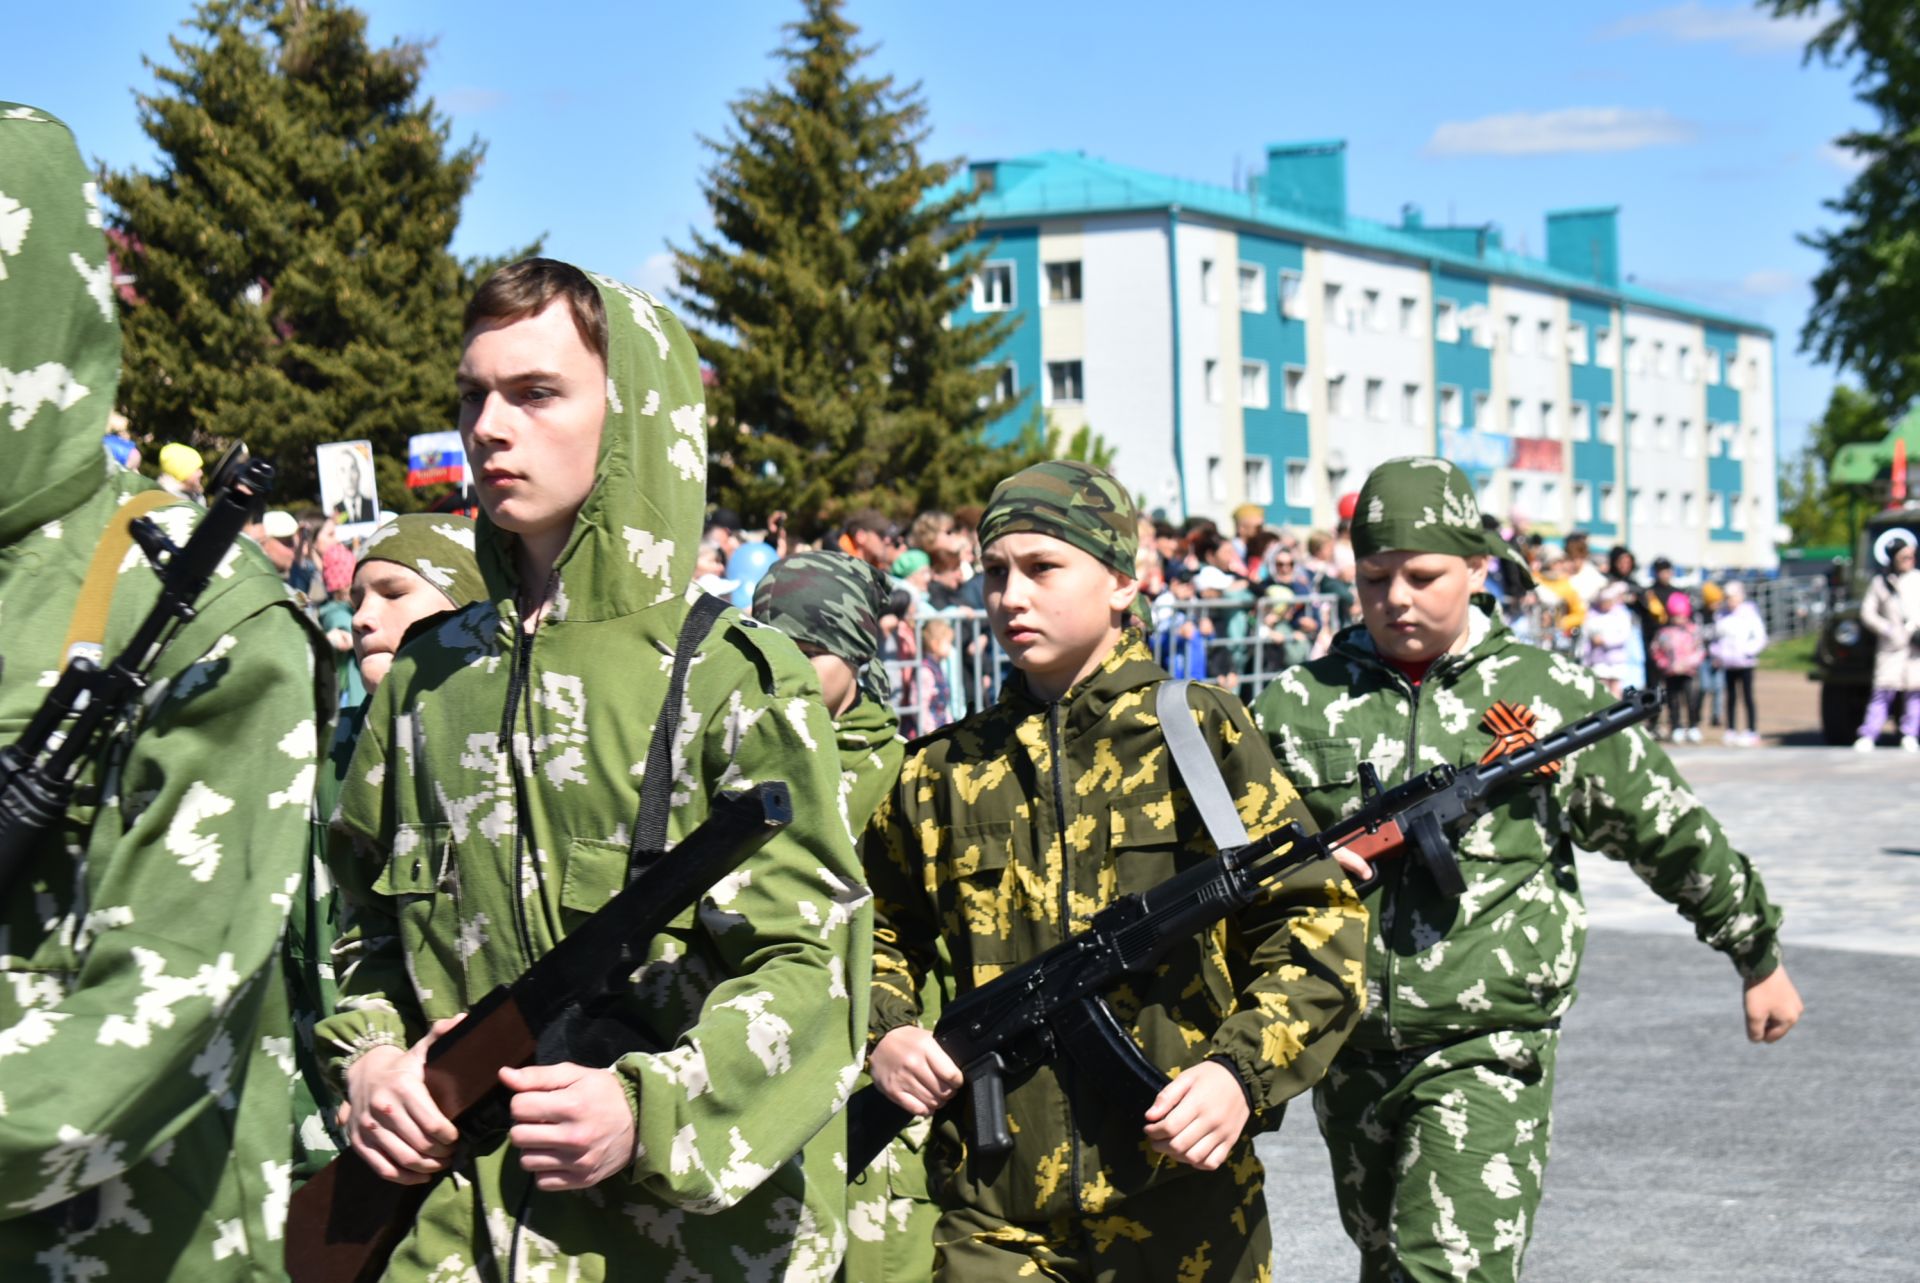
x,y
1697,118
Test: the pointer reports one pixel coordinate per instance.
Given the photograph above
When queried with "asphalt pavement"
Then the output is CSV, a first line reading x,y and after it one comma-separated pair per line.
x,y
1681,1152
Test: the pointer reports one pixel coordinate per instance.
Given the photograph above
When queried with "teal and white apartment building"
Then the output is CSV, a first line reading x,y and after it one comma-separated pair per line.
x,y
1267,345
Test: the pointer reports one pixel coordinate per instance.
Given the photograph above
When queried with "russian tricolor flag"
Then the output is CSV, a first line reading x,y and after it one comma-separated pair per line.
x,y
435,457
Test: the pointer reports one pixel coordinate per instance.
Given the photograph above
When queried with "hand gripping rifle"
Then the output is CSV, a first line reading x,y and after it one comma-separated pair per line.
x,y
344,1223
1055,1002
88,704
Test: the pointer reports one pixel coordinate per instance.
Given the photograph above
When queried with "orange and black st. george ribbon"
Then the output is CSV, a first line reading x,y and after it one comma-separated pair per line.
x,y
1512,729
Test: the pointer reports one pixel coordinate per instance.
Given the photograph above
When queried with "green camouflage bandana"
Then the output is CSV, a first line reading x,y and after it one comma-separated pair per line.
x,y
1423,504
1074,502
436,546
831,601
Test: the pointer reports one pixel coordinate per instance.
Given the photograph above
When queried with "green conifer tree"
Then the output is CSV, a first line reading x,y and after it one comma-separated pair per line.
x,y
824,301
290,272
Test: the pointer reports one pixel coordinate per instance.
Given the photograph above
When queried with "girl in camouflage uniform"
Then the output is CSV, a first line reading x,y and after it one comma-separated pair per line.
x,y
488,811
1007,832
1437,1111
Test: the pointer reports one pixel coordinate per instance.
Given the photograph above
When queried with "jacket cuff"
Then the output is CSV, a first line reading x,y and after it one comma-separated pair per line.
x,y
1758,957
887,1012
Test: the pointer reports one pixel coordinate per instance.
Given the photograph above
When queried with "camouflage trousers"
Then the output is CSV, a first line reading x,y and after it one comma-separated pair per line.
x,y
1206,1227
1438,1158
890,1216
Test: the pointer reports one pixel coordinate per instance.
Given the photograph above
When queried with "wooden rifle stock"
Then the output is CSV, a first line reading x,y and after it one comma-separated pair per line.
x,y
343,1225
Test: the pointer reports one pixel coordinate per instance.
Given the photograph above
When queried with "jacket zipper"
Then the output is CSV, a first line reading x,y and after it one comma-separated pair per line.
x,y
1066,929
516,694
1390,897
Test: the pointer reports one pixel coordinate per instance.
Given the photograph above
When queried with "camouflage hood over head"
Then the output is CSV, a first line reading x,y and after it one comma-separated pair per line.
x,y
635,539
59,329
1423,504
437,546
833,602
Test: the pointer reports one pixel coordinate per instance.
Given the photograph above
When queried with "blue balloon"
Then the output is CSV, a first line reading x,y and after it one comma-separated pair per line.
x,y
748,563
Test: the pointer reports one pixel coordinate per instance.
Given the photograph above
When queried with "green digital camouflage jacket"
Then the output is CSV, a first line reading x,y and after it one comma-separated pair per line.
x,y
462,862
145,1046
1010,829
1505,955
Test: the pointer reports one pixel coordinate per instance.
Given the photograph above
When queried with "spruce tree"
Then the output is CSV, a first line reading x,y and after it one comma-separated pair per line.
x,y
291,277
824,300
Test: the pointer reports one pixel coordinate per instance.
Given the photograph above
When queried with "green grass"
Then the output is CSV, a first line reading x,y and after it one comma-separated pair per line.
x,y
1794,655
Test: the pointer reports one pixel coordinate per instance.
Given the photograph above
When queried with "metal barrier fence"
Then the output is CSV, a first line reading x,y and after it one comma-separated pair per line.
x,y
1241,643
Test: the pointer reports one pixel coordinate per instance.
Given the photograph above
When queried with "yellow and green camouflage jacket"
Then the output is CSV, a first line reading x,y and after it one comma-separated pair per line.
x,y
1505,954
1010,829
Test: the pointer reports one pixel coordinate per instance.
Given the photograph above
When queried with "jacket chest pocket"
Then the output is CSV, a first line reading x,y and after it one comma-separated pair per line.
x,y
595,873
1326,774
1147,849
676,968
422,878
981,893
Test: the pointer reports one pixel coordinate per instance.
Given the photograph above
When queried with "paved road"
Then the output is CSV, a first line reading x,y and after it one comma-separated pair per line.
x,y
1681,1153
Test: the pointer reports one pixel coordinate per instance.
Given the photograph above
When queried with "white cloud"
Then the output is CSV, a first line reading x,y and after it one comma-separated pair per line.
x,y
1768,282
1570,129
1845,159
1742,26
656,275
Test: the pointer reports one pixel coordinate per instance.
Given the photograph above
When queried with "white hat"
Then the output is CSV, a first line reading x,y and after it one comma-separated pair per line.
x,y
279,524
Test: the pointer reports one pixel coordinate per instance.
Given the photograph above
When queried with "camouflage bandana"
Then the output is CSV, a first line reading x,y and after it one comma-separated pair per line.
x,y
1423,504
436,546
1074,502
831,601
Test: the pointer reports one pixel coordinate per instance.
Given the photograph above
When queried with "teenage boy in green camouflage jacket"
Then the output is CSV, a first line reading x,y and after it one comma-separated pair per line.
x,y
1006,833
830,604
146,1051
1437,1111
488,810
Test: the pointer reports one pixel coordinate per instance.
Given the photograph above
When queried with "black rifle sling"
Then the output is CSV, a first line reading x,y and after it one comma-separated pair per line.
x,y
656,786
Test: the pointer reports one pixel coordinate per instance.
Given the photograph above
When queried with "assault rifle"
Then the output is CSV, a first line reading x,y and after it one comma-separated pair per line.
x,y
88,704
344,1223
1055,1002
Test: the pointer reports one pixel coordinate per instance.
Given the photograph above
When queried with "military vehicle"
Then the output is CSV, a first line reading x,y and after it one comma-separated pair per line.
x,y
1843,657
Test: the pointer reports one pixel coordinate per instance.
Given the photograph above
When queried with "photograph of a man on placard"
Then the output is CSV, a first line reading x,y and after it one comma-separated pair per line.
x,y
347,485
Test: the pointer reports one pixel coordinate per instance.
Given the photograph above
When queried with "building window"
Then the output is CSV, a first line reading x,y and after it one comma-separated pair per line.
x,y
1253,385
1550,499
1689,509
1299,495
1337,395
1516,337
1735,440
1753,371
1577,342
1663,507
1410,403
1293,388
1660,367
1495,496
1689,447
993,288
1006,384
1063,383
1687,372
1481,419
1370,303
1517,417
1609,503
1582,501
1063,282
1579,422
1209,288
1293,301
1449,406
1446,321
1603,347
1636,434
1331,310
1546,339
1216,479
1609,425
1210,381
1376,395
1636,359
1716,510
1253,288
1739,512
1661,441
1409,315
1549,420
1259,477
1715,370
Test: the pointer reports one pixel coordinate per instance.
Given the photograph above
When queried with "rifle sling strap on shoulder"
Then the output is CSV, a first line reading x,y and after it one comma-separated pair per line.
x,y
656,786
87,630
1199,771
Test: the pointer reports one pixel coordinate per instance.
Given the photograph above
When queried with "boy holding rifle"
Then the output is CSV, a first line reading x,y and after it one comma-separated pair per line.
x,y
494,804
1006,833
1437,1110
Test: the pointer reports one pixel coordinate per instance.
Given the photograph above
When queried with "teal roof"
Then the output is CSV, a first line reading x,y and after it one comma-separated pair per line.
x,y
1065,184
